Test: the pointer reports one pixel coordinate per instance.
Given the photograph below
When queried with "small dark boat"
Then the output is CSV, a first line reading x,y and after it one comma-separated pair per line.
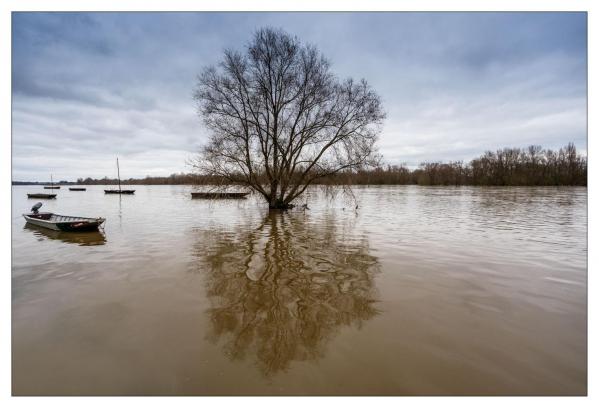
x,y
62,222
119,191
218,195
40,195
77,189
52,186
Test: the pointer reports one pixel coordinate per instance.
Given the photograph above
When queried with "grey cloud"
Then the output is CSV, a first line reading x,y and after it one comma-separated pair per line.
x,y
454,84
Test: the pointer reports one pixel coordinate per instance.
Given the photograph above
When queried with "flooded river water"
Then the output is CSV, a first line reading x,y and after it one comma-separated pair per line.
x,y
418,291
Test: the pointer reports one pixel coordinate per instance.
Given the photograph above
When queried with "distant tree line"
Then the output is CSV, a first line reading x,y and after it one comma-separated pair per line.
x,y
533,166
29,183
173,179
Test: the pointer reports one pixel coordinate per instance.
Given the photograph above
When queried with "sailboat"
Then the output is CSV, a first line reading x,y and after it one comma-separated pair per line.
x,y
119,191
52,186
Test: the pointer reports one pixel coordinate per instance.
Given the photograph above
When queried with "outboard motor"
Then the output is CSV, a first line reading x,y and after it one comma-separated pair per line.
x,y
36,207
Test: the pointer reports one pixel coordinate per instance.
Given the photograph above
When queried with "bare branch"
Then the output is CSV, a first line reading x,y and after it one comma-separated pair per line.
x,y
280,120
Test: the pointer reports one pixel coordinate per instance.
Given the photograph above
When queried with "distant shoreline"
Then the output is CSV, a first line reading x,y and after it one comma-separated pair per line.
x,y
123,183
533,166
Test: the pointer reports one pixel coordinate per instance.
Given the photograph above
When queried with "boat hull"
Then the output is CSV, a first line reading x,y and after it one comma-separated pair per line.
x,y
64,223
219,195
52,188
119,191
76,189
49,196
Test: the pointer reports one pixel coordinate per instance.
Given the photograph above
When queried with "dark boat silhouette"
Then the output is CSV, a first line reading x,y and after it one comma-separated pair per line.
x,y
52,186
40,195
218,195
119,191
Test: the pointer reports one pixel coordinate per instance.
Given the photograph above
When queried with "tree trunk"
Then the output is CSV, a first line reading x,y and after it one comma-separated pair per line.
x,y
276,204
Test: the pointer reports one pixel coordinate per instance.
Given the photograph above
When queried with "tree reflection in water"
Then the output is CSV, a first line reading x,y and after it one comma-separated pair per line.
x,y
282,290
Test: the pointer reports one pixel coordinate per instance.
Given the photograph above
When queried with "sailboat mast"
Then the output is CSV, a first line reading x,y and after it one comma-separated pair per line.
x,y
118,172
51,180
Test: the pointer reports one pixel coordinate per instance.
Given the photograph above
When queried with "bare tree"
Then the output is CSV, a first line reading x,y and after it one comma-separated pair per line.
x,y
280,120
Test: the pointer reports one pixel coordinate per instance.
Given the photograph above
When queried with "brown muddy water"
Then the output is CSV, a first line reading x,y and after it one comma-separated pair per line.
x,y
421,291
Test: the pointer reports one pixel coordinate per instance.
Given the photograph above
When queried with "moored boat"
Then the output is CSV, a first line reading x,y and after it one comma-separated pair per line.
x,y
119,191
59,222
52,186
77,189
218,195
40,195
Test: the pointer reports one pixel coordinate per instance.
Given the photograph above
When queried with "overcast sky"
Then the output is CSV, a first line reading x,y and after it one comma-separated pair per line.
x,y
88,87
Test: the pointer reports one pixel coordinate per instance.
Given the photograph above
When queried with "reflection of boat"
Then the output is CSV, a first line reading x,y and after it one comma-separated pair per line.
x,y
77,189
62,222
222,195
40,195
119,191
81,238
